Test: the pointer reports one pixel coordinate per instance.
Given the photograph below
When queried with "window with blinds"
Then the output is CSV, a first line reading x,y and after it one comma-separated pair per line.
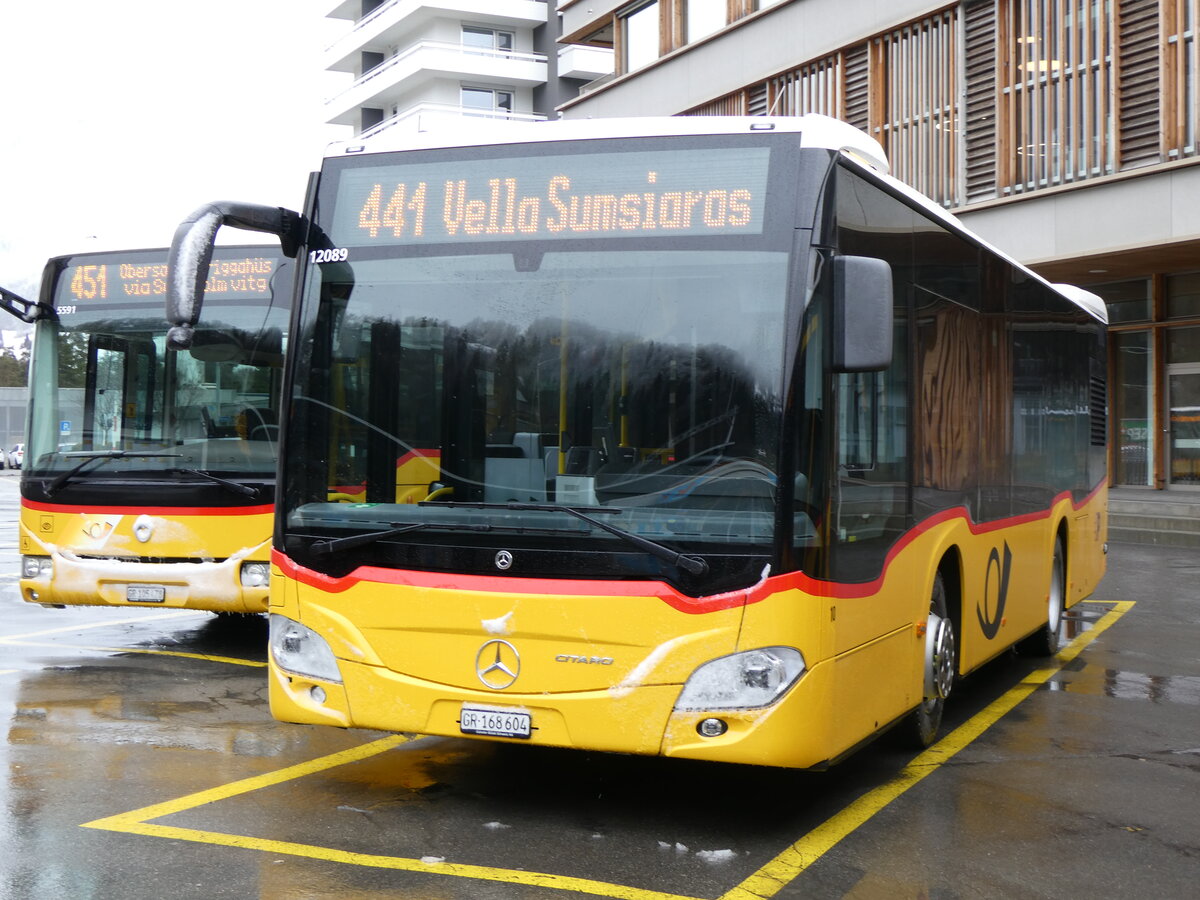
x,y
812,88
1056,103
990,98
1179,77
914,103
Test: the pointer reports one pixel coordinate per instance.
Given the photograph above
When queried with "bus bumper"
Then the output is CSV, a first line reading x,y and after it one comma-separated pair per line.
x,y
209,586
641,721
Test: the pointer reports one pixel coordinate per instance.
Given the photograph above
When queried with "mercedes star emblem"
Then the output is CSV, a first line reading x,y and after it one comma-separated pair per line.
x,y
498,664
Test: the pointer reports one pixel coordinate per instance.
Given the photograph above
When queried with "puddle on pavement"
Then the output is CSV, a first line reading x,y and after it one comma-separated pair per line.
x,y
1122,685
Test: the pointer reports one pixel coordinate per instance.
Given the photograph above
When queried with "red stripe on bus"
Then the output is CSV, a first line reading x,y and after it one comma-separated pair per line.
x,y
261,510
843,591
430,453
681,602
492,584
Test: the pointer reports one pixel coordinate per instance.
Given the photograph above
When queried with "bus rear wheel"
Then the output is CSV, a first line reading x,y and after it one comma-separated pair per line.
x,y
941,660
1046,640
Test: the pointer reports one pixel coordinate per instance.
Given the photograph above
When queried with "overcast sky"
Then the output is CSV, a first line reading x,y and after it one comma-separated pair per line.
x,y
119,117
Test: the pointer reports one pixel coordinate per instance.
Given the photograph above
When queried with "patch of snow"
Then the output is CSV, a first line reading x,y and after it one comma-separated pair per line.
x,y
634,679
501,625
218,582
762,579
716,856
496,826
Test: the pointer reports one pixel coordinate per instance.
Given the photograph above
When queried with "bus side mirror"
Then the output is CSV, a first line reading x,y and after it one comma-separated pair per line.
x,y
192,249
862,314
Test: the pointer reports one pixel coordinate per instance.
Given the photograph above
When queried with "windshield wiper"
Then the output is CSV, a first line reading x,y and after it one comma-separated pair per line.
x,y
237,487
332,545
694,565
101,456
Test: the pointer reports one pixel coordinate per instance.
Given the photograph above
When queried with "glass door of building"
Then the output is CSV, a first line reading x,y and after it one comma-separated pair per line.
x,y
1183,425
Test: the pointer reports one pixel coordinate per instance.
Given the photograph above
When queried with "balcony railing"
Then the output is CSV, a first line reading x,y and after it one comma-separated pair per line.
x,y
412,115
353,39
408,53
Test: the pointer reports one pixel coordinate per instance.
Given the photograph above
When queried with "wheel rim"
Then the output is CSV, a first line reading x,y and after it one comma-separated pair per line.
x,y
939,657
1054,619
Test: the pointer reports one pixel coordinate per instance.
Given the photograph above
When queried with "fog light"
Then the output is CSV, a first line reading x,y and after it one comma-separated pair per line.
x,y
317,693
711,728
36,566
255,574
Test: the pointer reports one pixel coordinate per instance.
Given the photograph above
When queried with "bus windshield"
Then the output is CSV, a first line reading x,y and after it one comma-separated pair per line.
x,y
467,387
108,391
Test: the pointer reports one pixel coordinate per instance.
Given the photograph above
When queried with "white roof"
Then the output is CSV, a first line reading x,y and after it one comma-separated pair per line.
x,y
1089,301
816,131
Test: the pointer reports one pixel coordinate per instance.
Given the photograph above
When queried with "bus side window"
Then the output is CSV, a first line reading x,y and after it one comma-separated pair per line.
x,y
871,500
870,508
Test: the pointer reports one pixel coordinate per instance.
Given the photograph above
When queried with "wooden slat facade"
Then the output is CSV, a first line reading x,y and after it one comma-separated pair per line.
x,y
989,98
1139,109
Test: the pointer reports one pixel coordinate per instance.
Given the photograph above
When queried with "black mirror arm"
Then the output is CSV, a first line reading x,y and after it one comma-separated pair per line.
x,y
192,249
25,310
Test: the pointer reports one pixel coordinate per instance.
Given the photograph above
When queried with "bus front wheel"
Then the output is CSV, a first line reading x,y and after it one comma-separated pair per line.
x,y
1045,641
940,662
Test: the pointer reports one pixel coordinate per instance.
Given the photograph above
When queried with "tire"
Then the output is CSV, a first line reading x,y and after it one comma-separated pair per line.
x,y
1047,639
940,662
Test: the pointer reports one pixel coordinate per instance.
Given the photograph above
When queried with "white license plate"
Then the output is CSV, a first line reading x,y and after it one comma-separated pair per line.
x,y
145,593
495,721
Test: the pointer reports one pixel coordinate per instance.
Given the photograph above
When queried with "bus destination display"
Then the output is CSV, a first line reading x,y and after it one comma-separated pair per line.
x,y
143,276
682,192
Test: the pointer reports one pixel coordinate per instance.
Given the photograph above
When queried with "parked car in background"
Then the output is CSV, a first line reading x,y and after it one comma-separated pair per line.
x,y
16,455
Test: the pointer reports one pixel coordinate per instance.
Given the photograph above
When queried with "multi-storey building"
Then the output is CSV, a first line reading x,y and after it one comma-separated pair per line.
x,y
1064,131
413,60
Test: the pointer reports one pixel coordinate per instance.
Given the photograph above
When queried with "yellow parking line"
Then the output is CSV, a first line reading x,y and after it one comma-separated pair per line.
x,y
764,883
137,822
482,873
66,629
233,661
224,792
793,861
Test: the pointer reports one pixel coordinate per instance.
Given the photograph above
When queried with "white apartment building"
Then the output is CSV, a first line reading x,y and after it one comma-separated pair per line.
x,y
416,59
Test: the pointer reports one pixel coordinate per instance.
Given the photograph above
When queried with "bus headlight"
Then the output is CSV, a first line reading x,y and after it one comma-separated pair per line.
x,y
302,651
746,680
36,567
255,574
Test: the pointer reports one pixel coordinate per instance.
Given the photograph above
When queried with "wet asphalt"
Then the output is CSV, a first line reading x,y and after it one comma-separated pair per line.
x,y
140,761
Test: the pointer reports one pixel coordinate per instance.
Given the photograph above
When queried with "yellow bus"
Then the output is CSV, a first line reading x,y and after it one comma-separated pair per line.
x,y
696,437
149,477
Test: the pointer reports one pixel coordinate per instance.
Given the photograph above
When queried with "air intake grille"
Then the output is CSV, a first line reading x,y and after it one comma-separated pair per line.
x,y
1099,409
